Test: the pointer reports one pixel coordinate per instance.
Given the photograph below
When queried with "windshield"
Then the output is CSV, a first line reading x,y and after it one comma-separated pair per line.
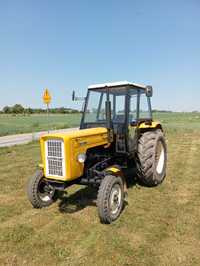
x,y
95,107
96,100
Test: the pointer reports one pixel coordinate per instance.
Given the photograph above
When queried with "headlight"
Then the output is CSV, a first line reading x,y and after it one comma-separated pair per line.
x,y
81,158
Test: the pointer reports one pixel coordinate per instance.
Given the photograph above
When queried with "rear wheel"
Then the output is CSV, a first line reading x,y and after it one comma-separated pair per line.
x,y
39,192
152,158
110,198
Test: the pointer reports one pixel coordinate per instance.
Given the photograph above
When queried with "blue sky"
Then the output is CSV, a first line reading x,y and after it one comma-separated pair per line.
x,y
65,45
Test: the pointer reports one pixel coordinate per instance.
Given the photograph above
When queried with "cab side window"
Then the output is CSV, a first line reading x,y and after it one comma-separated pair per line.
x,y
133,108
119,114
144,111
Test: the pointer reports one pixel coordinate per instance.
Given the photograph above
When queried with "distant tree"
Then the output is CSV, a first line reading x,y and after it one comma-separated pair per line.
x,y
61,110
18,109
195,112
53,110
161,111
38,111
74,111
7,110
29,110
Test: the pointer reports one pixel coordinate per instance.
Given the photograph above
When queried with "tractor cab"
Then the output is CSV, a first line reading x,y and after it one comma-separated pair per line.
x,y
119,106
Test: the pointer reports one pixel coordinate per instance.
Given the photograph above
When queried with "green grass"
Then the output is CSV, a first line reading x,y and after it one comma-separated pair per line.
x,y
159,226
179,121
10,124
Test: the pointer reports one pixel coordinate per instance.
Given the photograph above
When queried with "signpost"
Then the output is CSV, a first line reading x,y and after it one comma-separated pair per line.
x,y
47,100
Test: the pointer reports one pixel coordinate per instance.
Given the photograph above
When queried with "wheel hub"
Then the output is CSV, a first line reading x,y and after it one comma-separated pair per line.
x,y
115,199
45,191
160,158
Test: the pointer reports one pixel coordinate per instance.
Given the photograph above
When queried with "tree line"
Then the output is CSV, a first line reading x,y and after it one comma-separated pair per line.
x,y
19,109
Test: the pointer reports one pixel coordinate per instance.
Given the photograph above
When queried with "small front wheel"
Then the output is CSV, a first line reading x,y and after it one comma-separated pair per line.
x,y
40,193
110,198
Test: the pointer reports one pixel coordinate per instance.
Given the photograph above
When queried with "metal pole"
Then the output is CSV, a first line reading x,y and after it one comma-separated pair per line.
x,y
48,117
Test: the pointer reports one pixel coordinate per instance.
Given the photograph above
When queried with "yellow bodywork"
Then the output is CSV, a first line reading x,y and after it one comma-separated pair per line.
x,y
75,143
114,170
154,124
78,142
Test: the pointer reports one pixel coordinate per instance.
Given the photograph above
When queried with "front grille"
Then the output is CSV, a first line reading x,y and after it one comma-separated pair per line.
x,y
55,164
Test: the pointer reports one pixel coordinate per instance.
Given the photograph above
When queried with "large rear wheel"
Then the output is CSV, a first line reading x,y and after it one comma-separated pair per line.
x,y
152,158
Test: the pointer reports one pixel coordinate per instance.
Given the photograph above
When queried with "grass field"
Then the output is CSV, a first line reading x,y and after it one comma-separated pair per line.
x,y
159,226
23,124
10,124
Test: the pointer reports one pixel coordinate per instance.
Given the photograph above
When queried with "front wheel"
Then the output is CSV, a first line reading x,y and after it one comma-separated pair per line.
x,y
110,199
40,193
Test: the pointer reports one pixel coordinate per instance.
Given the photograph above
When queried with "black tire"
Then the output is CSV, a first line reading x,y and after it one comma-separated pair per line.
x,y
37,195
151,158
110,199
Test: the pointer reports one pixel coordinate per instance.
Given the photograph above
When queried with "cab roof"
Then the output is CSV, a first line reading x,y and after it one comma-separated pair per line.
x,y
117,84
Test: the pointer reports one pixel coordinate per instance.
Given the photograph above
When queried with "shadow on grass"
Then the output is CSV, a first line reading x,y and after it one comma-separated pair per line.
x,y
79,200
132,180
87,196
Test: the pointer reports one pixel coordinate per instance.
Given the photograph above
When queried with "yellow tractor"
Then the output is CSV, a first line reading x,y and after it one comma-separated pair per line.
x,y
117,132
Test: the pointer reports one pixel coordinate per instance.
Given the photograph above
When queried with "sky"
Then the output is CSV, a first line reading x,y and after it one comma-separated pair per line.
x,y
65,45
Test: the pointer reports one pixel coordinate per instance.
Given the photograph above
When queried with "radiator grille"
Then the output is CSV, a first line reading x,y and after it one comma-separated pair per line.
x,y
55,157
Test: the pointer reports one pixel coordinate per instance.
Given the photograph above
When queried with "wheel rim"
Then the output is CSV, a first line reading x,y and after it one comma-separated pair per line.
x,y
45,192
160,157
115,199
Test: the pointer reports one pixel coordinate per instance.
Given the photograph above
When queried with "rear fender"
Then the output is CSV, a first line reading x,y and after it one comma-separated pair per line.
x,y
152,125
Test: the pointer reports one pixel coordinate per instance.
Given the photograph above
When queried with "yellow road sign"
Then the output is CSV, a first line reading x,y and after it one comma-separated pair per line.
x,y
46,97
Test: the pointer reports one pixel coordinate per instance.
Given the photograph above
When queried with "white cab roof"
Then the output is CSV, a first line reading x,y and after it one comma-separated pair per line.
x,y
116,84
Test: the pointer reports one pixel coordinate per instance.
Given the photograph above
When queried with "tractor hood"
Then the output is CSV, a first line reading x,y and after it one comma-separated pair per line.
x,y
76,134
60,151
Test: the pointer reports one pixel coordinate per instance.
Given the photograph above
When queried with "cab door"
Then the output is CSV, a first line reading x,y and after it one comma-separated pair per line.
x,y
119,122
139,111
133,122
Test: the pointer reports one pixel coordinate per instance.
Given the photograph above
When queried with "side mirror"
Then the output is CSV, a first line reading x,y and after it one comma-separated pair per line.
x,y
73,96
149,91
